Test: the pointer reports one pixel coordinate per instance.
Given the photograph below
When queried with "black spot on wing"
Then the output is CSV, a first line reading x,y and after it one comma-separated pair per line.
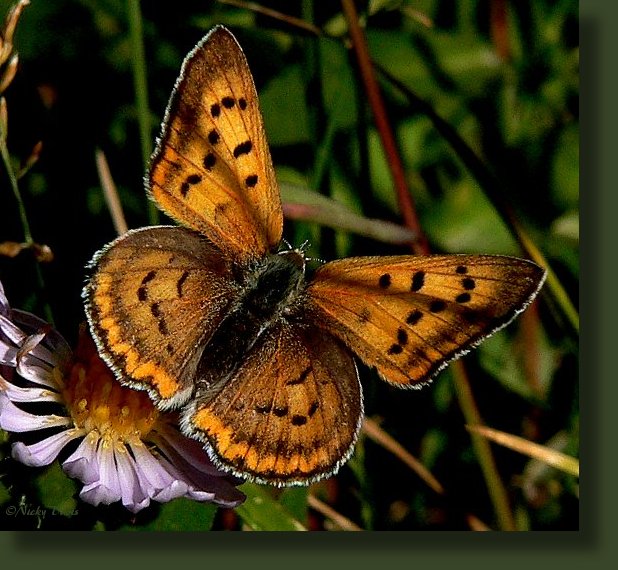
x,y
242,148
189,181
463,298
418,280
298,420
414,317
155,310
213,137
437,306
180,283
142,291
280,411
251,180
313,408
384,281
395,349
209,161
302,377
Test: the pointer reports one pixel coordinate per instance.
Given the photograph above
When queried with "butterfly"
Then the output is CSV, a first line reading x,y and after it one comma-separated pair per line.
x,y
215,318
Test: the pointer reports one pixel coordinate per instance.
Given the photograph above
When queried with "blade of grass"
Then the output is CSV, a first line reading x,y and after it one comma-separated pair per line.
x,y
140,86
545,454
297,23
6,49
482,449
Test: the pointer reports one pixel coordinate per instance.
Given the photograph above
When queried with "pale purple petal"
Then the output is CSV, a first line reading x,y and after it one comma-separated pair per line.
x,y
8,354
45,451
34,355
11,331
19,394
14,419
134,496
28,365
107,489
36,371
82,463
4,303
219,491
55,349
172,441
205,484
185,477
165,486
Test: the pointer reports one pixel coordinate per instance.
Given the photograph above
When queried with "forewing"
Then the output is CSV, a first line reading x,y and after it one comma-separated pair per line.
x,y
290,413
212,169
410,315
155,299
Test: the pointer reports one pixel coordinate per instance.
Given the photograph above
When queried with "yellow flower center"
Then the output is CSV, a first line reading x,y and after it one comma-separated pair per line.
x,y
98,402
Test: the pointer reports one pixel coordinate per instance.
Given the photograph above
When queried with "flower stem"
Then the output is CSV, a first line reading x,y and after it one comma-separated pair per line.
x,y
6,159
23,216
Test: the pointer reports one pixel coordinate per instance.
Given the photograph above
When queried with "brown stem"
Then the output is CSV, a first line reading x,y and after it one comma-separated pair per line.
x,y
404,197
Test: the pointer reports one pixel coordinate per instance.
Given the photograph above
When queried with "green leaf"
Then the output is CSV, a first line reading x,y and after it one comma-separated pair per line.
x,y
182,515
500,360
464,221
285,112
262,512
56,490
294,500
565,169
4,494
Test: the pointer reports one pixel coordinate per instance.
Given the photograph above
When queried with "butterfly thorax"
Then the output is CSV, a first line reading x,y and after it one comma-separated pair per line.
x,y
271,290
275,285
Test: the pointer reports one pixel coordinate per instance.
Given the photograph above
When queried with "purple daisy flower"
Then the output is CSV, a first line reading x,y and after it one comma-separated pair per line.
x,y
128,451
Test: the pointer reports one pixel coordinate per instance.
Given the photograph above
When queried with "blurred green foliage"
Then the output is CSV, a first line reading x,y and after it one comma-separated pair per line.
x,y
514,100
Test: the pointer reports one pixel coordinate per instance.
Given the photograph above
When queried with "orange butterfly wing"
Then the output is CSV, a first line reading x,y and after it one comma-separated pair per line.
x,y
212,169
409,316
288,414
155,300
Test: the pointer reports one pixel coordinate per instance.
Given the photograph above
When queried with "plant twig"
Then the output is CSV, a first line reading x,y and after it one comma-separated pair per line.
x,y
275,15
111,193
377,434
342,522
